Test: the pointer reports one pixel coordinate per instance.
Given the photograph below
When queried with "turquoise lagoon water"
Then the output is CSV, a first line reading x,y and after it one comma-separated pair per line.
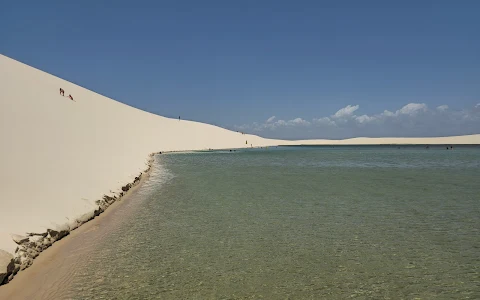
x,y
296,223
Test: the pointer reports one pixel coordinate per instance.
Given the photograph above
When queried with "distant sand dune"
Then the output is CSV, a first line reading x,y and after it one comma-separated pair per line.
x,y
58,157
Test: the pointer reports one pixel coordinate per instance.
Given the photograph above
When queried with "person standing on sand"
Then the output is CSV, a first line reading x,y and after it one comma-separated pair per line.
x,y
62,92
179,118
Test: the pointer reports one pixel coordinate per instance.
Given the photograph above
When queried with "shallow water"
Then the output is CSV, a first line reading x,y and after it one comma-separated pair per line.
x,y
296,223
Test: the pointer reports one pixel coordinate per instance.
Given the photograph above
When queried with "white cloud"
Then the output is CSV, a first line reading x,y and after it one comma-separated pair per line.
x,y
388,113
324,121
271,124
413,119
270,120
346,111
298,121
412,109
365,119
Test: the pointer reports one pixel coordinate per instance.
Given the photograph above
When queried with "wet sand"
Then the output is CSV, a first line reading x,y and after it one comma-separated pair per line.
x,y
54,269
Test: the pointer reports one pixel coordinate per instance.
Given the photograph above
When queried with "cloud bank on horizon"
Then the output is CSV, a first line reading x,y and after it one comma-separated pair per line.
x,y
411,120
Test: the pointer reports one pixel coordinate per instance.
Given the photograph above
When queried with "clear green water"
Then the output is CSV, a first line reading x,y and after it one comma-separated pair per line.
x,y
296,223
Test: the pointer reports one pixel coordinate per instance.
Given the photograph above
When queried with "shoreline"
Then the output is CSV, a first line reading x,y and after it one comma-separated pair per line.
x,y
34,244
49,265
31,247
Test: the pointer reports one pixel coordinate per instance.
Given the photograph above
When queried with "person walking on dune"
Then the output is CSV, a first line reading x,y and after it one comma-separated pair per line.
x,y
62,92
71,98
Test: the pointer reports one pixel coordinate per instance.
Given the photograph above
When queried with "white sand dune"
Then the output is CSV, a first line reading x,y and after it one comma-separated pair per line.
x,y
473,139
58,156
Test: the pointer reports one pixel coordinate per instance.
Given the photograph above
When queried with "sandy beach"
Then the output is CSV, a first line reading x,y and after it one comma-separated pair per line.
x,y
55,267
61,157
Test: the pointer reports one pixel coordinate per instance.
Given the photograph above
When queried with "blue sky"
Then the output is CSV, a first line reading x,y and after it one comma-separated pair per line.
x,y
236,64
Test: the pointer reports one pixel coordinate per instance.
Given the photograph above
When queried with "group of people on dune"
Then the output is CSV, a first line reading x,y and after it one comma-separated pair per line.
x,y
62,92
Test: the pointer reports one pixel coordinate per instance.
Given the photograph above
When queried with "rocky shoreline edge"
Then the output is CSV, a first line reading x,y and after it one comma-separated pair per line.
x,y
31,245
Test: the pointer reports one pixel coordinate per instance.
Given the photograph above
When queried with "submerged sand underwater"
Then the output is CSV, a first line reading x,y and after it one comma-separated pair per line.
x,y
309,223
